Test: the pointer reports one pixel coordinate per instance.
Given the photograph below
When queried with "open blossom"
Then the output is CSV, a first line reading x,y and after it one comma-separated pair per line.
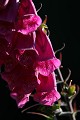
x,y
28,20
28,57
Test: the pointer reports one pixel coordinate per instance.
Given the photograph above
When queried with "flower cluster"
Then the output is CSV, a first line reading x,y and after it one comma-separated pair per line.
x,y
27,54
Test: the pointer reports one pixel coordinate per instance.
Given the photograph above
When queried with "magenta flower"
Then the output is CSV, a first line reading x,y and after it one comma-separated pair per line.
x,y
28,24
48,66
28,57
20,76
27,7
43,46
23,42
46,92
28,20
47,98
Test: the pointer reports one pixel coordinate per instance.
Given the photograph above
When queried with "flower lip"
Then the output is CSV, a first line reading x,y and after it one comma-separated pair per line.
x,y
28,23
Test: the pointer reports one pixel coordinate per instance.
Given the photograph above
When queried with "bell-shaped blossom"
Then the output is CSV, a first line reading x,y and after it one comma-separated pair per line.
x,y
43,46
27,55
20,77
48,66
28,20
29,23
46,91
26,7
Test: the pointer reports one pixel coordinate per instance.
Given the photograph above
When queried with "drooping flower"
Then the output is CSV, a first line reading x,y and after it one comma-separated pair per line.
x,y
48,66
28,57
20,76
46,92
43,46
28,20
28,24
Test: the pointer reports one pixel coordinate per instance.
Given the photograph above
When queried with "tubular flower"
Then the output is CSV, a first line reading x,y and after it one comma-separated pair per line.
x,y
28,20
43,46
46,92
48,66
27,55
20,76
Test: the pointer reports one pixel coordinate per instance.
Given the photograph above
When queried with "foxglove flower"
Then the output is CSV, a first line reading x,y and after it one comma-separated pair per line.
x,y
27,55
28,20
48,66
20,76
46,92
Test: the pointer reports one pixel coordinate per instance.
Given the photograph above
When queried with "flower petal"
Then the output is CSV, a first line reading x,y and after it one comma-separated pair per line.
x,y
28,20
47,98
27,7
48,66
21,41
47,83
21,82
46,91
28,24
28,58
20,102
43,46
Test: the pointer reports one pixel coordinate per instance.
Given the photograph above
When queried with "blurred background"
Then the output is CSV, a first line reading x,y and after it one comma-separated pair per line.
x,y
64,26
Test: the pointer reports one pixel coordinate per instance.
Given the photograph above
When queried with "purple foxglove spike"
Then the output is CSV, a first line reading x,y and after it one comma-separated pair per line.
x,y
27,55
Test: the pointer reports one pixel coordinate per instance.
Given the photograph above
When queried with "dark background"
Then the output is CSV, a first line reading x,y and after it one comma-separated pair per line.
x,y
64,25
